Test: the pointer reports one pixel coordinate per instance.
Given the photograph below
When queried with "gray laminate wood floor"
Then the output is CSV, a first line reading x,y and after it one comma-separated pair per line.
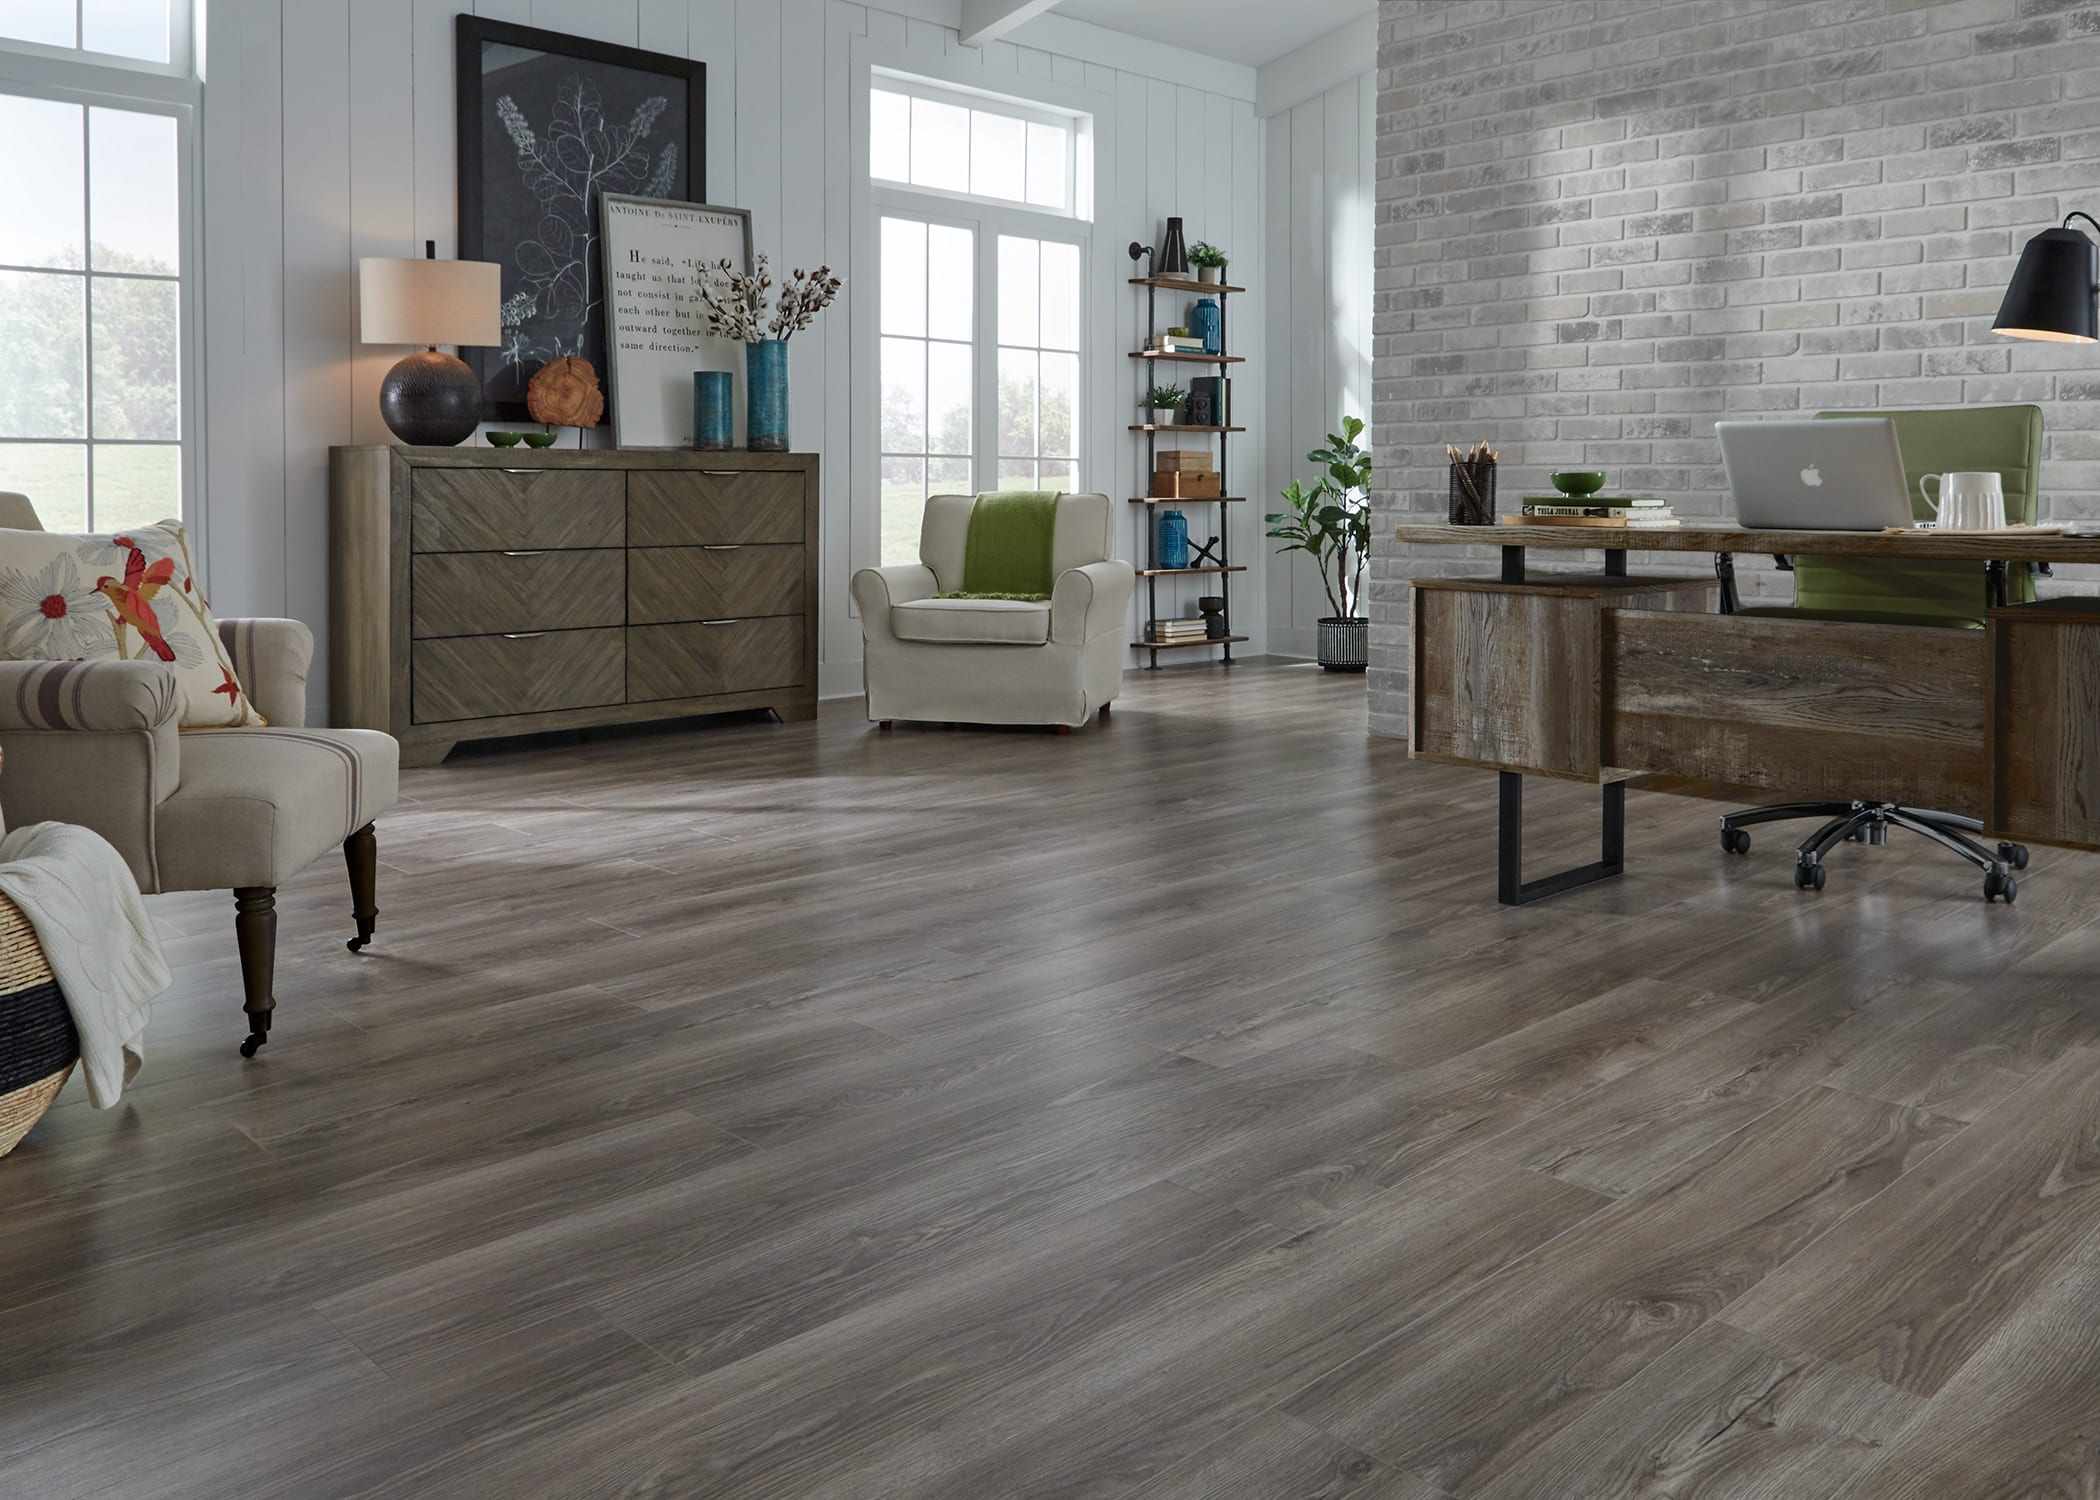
x,y
1163,1111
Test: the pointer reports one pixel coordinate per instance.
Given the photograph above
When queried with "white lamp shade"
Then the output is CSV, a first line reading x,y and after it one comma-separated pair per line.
x,y
430,301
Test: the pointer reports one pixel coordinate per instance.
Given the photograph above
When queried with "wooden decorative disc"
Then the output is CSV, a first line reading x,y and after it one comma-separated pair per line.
x,y
565,393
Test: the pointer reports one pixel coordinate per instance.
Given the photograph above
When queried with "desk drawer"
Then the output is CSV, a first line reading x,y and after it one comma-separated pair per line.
x,y
483,593
699,659
699,507
491,510
728,579
490,676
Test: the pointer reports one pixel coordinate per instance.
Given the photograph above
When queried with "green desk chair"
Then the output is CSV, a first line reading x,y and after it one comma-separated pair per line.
x,y
2006,439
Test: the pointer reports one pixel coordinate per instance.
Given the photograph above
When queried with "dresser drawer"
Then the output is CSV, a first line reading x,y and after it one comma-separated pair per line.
x,y
490,510
666,584
481,593
697,660
490,676
694,507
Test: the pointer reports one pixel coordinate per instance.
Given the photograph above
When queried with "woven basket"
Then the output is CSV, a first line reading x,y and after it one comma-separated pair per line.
x,y
38,1045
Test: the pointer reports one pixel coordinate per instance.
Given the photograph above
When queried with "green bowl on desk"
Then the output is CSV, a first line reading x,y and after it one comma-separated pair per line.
x,y
1578,484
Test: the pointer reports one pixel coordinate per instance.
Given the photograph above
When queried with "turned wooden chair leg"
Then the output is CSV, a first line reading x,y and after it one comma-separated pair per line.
x,y
255,933
361,854
1104,712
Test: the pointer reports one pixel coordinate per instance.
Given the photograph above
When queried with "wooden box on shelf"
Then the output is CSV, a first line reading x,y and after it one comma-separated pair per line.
x,y
1187,486
1182,461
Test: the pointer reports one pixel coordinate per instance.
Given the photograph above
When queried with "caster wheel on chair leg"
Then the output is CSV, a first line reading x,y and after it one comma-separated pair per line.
x,y
1734,841
1996,886
255,1039
1808,877
353,944
2014,855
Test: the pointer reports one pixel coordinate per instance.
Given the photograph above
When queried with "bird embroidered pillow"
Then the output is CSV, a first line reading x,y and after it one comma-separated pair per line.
x,y
131,596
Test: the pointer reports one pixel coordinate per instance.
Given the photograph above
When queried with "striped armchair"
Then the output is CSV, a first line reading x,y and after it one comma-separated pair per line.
x,y
95,743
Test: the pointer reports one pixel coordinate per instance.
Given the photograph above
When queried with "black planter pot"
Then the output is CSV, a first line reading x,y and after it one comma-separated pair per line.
x,y
1345,645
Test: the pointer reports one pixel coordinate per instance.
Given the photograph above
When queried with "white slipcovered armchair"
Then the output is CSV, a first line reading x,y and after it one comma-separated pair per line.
x,y
997,661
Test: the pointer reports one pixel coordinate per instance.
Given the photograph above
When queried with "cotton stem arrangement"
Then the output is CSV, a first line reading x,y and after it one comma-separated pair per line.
x,y
739,304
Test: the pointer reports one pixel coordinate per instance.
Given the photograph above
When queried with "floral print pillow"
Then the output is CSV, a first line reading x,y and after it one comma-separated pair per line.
x,y
126,597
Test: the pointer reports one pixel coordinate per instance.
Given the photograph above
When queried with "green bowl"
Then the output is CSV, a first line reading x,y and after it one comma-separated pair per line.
x,y
505,439
539,439
1578,483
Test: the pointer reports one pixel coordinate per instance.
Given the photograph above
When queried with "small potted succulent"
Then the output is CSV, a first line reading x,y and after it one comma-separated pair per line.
x,y
1208,260
1166,402
1331,519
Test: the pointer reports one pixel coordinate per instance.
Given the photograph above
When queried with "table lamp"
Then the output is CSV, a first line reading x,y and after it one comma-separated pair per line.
x,y
430,398
2052,289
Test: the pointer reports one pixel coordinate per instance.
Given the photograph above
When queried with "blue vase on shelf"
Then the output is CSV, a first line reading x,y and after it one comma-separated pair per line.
x,y
1208,324
1173,539
714,410
766,395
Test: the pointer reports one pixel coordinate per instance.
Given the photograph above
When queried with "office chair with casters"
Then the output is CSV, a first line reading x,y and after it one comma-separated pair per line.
x,y
1890,591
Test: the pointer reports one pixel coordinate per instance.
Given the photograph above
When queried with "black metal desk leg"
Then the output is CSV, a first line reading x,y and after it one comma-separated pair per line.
x,y
1512,564
1614,562
1724,569
1511,888
1994,574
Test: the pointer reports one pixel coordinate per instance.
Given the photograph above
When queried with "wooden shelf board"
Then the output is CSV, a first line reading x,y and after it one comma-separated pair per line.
x,y
1185,572
1178,427
1188,499
1184,284
1190,359
1208,640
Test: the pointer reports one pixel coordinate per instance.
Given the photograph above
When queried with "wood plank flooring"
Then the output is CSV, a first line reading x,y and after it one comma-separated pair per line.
x,y
1164,1111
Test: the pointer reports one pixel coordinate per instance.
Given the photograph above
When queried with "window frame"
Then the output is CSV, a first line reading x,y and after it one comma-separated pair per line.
x,y
94,80
184,24
1076,127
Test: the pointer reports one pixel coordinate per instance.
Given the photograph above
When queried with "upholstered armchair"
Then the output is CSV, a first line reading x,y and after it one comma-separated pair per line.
x,y
96,743
997,661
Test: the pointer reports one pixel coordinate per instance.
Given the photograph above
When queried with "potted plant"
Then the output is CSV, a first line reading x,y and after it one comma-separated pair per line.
x,y
1331,519
1166,402
1208,260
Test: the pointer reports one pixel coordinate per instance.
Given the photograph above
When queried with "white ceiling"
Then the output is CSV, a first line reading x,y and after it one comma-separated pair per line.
x,y
1251,32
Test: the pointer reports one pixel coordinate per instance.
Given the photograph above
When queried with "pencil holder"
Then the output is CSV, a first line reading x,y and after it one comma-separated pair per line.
x,y
1473,494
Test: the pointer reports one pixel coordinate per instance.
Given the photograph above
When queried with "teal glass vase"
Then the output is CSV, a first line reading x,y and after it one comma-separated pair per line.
x,y
1173,539
766,396
714,410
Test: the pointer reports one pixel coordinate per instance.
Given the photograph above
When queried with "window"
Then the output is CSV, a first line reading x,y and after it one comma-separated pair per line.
x,y
980,244
1003,149
91,418
150,31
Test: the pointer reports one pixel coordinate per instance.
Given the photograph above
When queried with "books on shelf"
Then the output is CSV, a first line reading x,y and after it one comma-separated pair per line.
x,y
1167,343
1175,630
1645,521
1597,510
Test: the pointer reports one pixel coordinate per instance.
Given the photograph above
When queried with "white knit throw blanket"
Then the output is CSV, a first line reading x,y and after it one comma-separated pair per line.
x,y
89,918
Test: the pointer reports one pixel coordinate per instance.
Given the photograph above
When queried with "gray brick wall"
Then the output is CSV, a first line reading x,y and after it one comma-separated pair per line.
x,y
1603,224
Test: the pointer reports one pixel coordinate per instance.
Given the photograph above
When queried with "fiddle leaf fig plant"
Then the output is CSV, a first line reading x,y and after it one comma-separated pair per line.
x,y
1331,518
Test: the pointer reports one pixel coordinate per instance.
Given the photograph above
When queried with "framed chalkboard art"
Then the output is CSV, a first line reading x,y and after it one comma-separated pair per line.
x,y
547,125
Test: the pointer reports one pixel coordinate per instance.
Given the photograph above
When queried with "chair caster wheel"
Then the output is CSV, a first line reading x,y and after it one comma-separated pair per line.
x,y
353,944
255,1039
1734,841
1808,876
2014,855
1996,885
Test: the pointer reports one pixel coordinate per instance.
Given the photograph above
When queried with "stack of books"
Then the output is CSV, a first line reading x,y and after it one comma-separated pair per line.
x,y
1169,343
1597,510
1168,631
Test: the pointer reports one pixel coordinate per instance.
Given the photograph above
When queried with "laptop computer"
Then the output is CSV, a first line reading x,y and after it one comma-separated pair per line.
x,y
1845,474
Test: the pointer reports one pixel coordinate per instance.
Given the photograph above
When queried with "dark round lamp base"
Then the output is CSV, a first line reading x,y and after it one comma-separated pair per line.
x,y
431,400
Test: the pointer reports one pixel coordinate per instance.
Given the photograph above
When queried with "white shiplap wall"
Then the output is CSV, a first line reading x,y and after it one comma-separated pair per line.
x,y
329,136
1317,260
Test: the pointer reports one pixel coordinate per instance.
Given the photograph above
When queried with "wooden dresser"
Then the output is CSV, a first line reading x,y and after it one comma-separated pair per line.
x,y
477,592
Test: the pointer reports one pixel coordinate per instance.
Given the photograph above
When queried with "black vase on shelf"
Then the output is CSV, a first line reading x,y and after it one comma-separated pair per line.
x,y
1212,608
1173,257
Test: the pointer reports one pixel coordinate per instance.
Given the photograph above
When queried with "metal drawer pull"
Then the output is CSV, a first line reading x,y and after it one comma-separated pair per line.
x,y
524,471
523,635
542,552
721,546
718,622
724,473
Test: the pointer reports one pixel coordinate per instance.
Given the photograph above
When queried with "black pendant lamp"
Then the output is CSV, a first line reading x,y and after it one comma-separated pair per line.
x,y
2053,288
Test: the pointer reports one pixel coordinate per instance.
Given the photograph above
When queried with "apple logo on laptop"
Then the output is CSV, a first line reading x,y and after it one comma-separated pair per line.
x,y
1812,477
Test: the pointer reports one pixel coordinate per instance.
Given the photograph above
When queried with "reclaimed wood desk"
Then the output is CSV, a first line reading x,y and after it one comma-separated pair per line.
x,y
1607,677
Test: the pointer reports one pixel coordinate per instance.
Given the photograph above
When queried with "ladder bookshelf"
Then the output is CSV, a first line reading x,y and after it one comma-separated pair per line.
x,y
1225,571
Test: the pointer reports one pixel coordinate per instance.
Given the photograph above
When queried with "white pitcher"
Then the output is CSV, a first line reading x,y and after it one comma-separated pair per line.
x,y
1966,501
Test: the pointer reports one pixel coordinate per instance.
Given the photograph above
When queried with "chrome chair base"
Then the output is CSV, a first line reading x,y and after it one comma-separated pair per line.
x,y
1869,823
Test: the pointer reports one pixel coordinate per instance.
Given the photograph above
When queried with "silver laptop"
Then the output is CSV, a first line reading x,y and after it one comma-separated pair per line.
x,y
1845,474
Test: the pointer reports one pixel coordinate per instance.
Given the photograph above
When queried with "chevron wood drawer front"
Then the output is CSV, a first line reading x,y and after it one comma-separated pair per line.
x,y
667,584
702,658
488,510
695,507
485,676
482,593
